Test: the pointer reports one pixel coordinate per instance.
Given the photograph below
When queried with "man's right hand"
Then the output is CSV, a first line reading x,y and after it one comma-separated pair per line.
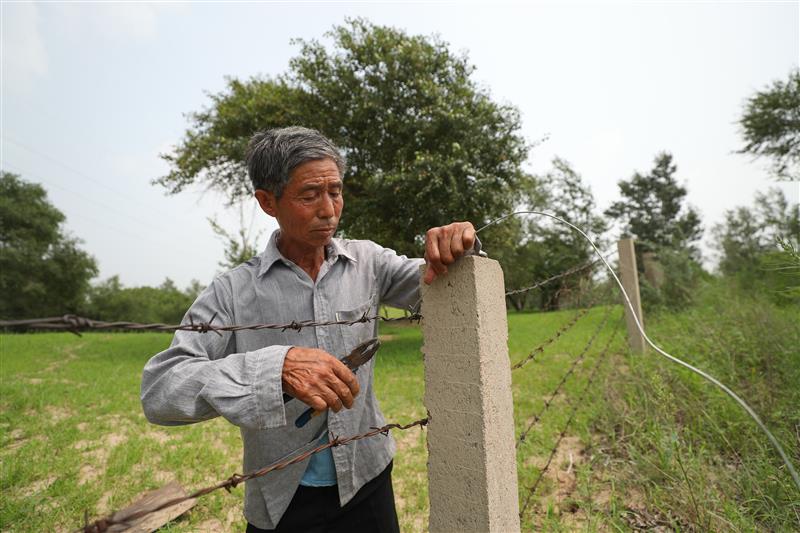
x,y
318,379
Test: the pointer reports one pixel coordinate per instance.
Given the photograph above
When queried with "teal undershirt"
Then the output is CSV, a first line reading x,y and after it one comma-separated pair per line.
x,y
321,471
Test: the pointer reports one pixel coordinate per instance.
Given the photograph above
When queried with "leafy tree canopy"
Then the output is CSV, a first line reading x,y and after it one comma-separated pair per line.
x,y
425,143
771,126
111,301
652,209
532,249
758,246
748,233
43,272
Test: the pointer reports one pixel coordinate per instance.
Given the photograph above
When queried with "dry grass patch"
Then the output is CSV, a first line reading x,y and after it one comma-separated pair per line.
x,y
38,486
95,460
115,439
158,436
215,525
56,414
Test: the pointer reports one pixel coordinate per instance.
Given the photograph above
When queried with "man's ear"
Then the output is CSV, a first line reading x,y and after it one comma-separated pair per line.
x,y
267,201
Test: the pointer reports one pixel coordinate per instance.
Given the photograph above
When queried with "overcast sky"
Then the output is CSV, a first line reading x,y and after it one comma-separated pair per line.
x,y
92,93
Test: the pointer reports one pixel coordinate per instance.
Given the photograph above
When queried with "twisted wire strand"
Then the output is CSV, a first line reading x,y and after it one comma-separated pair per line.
x,y
103,524
76,324
559,332
568,373
705,375
568,272
592,375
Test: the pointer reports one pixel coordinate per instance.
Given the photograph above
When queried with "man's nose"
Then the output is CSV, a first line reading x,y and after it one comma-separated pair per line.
x,y
326,209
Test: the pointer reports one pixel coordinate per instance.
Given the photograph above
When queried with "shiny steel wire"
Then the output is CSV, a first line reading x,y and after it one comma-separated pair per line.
x,y
705,375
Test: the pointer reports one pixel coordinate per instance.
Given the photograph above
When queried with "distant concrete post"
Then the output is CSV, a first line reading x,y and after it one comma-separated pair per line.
x,y
630,281
653,270
472,467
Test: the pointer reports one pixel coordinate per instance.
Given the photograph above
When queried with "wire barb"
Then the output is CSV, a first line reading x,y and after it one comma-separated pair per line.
x,y
103,524
76,324
705,375
559,332
568,272
569,372
592,375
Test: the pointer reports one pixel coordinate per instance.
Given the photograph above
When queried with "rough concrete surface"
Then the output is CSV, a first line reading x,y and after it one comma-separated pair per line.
x,y
629,275
472,470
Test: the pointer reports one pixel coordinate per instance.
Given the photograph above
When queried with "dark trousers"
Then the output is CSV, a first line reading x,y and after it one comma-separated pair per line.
x,y
317,510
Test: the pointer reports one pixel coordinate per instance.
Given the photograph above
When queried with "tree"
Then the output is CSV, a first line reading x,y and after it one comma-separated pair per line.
x,y
652,209
240,247
533,249
425,144
560,247
758,246
747,234
771,126
786,264
43,272
111,301
509,243
739,240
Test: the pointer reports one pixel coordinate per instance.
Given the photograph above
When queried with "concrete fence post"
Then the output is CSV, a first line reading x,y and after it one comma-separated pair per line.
x,y
472,467
630,281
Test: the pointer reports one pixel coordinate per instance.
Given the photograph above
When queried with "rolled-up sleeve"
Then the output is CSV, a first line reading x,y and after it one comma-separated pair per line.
x,y
201,375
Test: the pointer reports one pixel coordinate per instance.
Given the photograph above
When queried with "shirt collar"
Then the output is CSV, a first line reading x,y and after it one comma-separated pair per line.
x,y
271,254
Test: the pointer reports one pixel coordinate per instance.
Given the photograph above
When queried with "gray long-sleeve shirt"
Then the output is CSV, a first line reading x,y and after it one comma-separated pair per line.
x,y
238,375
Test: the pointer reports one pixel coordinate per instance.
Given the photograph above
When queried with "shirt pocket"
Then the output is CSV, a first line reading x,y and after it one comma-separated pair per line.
x,y
357,333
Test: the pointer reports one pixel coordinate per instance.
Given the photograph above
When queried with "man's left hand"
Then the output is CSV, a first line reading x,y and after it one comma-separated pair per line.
x,y
445,244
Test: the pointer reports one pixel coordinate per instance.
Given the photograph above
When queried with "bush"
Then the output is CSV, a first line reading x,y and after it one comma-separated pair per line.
x,y
166,303
682,278
773,274
678,441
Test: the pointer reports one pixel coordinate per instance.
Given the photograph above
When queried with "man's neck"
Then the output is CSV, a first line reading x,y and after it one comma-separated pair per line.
x,y
308,259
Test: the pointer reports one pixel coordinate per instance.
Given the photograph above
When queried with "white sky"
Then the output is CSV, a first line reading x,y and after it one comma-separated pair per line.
x,y
92,93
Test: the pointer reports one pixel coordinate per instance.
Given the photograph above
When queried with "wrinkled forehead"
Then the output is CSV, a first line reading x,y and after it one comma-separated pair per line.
x,y
316,171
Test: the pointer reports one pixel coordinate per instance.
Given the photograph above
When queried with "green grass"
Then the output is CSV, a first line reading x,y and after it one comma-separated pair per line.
x,y
676,443
74,439
533,385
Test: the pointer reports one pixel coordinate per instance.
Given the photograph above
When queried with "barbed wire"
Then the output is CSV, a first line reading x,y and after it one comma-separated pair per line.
x,y
592,375
567,374
570,271
103,524
559,332
703,374
75,324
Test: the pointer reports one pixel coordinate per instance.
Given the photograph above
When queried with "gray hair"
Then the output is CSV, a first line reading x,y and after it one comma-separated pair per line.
x,y
273,154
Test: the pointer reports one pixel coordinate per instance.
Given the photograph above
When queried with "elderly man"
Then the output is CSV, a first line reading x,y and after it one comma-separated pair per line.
x,y
304,274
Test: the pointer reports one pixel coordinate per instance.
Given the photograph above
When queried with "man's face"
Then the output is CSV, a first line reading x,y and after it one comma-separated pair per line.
x,y
308,211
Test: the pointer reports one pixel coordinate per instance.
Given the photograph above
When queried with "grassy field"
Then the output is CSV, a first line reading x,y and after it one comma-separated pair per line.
x,y
650,445
682,449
